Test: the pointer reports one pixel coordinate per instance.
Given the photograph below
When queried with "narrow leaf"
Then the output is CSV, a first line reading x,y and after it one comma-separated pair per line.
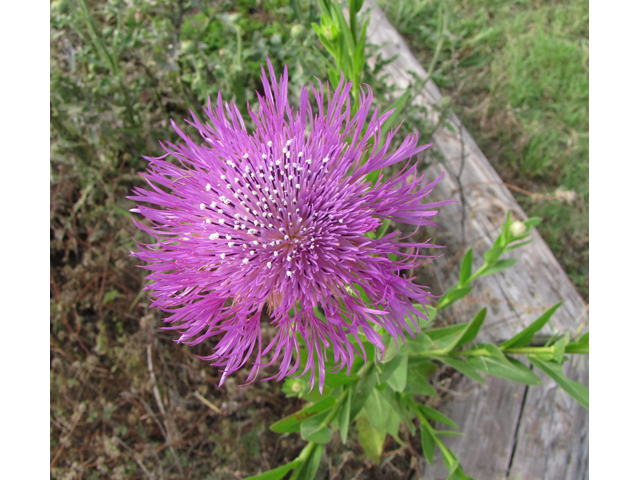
x,y
465,268
434,414
276,473
492,255
345,417
504,367
308,470
452,295
560,345
437,333
554,370
292,422
463,367
532,222
418,382
428,443
525,337
499,266
472,329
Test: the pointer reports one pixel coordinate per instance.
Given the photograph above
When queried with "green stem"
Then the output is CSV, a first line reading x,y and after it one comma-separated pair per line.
x,y
334,410
443,21
530,350
306,451
483,352
577,348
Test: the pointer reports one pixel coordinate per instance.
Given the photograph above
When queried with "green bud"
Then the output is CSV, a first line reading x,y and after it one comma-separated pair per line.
x,y
297,30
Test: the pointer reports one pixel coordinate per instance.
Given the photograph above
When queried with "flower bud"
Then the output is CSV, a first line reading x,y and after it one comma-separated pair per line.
x,y
518,228
296,30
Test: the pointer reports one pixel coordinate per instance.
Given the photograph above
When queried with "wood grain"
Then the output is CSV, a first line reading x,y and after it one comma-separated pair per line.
x,y
511,431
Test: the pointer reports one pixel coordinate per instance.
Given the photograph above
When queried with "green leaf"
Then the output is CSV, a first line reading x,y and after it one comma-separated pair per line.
x,y
336,379
584,338
313,430
492,255
470,333
428,443
554,370
372,440
465,268
434,414
292,422
452,295
389,367
421,343
356,5
504,234
361,393
398,379
463,367
499,266
345,417
559,346
308,470
501,366
276,473
525,337
518,245
532,222
436,334
418,381
376,409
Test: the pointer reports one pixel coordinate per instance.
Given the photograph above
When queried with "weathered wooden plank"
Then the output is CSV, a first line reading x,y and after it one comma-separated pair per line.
x,y
510,430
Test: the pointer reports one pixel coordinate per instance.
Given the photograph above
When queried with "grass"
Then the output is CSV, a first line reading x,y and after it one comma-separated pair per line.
x,y
517,73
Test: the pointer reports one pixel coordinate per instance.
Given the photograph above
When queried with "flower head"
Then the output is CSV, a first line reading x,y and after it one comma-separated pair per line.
x,y
277,220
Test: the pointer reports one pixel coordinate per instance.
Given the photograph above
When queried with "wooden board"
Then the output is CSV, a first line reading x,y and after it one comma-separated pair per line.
x,y
511,431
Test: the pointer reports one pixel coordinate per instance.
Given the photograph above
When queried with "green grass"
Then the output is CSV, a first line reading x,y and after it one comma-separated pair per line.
x,y
518,75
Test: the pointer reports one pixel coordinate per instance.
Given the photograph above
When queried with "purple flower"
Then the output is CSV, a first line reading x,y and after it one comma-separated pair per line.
x,y
278,219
